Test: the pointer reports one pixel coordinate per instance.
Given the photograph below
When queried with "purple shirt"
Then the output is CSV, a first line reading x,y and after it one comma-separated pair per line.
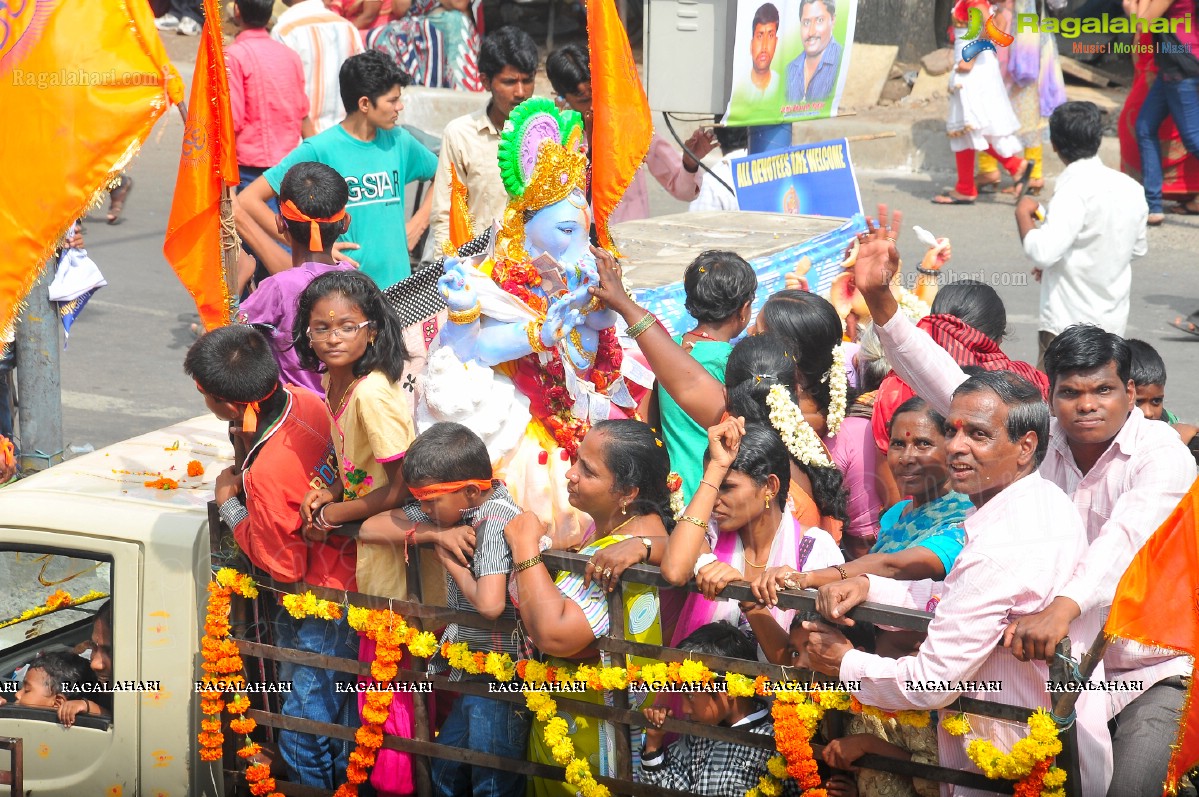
x,y
274,302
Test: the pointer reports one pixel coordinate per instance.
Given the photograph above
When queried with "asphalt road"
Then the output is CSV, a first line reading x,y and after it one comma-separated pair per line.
x,y
122,372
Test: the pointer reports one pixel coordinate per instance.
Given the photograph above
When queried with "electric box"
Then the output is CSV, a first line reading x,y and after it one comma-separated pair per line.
x,y
688,50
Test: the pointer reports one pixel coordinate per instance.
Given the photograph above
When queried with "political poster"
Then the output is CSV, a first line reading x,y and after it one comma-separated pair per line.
x,y
790,59
813,179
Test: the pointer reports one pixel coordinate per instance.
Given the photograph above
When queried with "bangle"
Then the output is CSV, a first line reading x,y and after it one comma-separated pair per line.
x,y
791,580
576,340
534,331
318,520
841,570
928,272
694,521
703,561
526,564
713,486
647,321
466,316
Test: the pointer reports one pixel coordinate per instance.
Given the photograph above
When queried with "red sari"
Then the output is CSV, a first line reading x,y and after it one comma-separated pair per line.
x,y
1180,170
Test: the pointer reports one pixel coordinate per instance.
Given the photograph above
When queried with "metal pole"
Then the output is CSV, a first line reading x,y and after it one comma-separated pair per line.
x,y
1061,671
39,380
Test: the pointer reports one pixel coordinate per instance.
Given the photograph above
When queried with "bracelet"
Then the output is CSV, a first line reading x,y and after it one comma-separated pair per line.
x,y
841,570
318,520
929,272
703,561
467,316
647,321
791,580
576,340
694,521
526,564
534,332
233,512
713,486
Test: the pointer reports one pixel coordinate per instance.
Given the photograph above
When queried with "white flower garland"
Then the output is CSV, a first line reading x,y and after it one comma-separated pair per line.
x,y
801,440
838,391
911,305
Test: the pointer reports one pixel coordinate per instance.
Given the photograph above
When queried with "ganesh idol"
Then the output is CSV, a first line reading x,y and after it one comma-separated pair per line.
x,y
529,359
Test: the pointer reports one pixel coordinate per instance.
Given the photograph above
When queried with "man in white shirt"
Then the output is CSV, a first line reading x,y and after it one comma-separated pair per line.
x,y
324,41
1095,226
712,194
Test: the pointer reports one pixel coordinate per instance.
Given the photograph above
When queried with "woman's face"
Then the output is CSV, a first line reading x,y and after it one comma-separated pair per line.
x,y
560,230
589,483
916,454
741,500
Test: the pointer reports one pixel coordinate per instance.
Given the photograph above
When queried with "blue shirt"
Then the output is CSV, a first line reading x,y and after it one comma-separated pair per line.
x,y
936,526
823,82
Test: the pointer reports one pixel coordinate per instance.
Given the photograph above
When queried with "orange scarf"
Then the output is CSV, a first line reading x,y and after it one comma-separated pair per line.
x,y
445,488
290,212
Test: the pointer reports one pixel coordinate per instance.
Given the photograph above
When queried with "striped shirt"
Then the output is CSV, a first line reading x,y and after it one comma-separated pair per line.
x,y
323,40
492,557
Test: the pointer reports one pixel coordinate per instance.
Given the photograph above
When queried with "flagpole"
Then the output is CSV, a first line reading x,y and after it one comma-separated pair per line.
x,y
1060,672
39,378
230,246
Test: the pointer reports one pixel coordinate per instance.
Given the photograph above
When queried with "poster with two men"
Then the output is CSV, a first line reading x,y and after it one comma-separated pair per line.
x,y
790,60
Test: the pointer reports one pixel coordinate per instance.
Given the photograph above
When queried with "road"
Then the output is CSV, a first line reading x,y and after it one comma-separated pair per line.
x,y
122,371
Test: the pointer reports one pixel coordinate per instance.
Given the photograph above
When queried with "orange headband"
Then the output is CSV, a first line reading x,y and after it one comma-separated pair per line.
x,y
290,212
445,488
249,419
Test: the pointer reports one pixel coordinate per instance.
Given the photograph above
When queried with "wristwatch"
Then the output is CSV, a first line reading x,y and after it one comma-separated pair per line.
x,y
649,547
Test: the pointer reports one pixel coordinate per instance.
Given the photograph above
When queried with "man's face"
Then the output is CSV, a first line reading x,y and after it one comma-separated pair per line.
x,y
982,459
1151,399
1092,406
35,692
816,26
580,100
383,113
102,651
762,46
509,88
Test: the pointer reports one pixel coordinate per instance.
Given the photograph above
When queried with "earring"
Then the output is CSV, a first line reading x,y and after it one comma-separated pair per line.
x,y
624,509
768,497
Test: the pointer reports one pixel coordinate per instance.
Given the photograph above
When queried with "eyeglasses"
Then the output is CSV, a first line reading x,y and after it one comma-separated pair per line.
x,y
342,332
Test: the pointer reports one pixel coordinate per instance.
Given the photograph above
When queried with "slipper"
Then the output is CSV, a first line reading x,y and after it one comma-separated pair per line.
x,y
1155,219
949,199
1021,184
116,200
1183,209
1186,326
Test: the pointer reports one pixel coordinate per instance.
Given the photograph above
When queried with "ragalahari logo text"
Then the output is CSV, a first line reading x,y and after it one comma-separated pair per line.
x,y
983,37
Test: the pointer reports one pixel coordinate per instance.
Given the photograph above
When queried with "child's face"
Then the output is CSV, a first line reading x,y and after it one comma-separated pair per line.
x,y
799,648
225,410
1151,399
446,510
338,331
707,709
35,693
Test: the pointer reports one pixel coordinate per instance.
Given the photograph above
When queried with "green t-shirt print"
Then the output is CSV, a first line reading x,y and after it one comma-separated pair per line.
x,y
376,173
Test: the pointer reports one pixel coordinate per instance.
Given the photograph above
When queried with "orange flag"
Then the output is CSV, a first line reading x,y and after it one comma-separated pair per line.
x,y
1157,603
621,124
82,83
208,162
461,226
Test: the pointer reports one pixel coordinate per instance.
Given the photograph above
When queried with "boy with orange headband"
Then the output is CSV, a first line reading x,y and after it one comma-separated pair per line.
x,y
448,471
312,216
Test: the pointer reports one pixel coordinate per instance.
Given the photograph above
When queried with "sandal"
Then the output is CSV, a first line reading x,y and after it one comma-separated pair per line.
x,y
1021,185
1185,325
949,198
986,186
1155,219
1184,209
116,199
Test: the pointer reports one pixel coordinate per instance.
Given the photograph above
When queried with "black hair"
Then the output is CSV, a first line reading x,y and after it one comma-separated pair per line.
x,y
507,46
755,365
767,14
104,613
974,303
1086,347
319,192
721,639
917,404
831,5
637,458
1147,367
1076,130
567,68
1026,409
446,452
811,329
64,671
762,453
370,74
233,363
255,13
387,354
731,138
717,285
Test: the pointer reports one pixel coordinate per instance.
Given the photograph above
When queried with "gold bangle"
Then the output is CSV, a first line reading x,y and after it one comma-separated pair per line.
x,y
576,340
693,521
534,331
467,316
841,570
647,321
526,564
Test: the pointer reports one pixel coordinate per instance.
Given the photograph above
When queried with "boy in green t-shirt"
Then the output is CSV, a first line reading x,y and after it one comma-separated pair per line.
x,y
377,160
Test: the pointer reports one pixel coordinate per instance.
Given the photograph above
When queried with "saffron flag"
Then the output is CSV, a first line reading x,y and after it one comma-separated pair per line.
x,y
1157,603
82,83
461,226
621,124
207,162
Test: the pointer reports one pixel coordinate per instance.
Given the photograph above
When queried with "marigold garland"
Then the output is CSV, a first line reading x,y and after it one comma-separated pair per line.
x,y
309,605
1029,761
59,599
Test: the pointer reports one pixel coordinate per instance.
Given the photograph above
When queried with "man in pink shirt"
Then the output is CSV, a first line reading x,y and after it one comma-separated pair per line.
x,y
1124,475
266,96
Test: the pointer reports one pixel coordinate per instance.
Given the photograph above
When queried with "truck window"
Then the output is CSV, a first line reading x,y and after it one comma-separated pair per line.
x,y
49,601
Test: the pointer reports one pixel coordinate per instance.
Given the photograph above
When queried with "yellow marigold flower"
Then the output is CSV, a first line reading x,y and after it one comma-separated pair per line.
x,y
1055,778
424,645
1041,726
777,767
914,719
535,672
585,673
614,678
594,789
753,792
739,685
691,671
556,729
956,725
769,787
563,752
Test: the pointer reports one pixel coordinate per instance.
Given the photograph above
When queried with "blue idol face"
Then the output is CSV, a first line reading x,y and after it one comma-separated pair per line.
x,y
560,230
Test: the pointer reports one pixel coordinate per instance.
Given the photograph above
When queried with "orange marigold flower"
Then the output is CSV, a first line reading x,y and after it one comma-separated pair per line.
x,y
59,599
162,483
243,726
250,750
194,468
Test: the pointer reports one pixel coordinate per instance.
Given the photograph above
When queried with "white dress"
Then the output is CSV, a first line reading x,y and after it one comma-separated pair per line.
x,y
980,113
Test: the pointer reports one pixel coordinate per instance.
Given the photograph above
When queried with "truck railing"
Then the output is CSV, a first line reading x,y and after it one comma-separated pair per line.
x,y
422,747
14,776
